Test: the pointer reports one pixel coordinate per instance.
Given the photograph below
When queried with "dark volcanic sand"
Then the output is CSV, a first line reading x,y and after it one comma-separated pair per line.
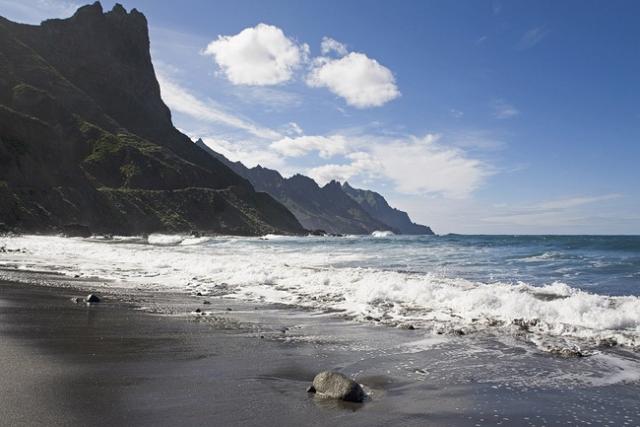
x,y
110,364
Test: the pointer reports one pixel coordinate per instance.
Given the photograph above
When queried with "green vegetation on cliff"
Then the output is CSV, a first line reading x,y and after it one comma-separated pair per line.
x,y
85,138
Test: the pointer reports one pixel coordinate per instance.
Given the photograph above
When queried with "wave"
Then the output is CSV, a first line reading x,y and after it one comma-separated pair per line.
x,y
165,239
555,315
385,233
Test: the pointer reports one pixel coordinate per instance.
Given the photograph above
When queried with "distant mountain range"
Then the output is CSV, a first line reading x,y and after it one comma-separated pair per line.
x,y
86,143
334,208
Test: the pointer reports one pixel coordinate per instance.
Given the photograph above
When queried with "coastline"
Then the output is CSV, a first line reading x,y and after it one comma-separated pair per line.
x,y
145,358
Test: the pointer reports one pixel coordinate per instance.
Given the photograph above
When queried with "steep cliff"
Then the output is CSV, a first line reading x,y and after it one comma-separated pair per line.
x,y
86,138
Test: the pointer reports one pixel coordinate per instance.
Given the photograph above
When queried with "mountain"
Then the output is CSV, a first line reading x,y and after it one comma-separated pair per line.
x,y
333,208
376,206
86,139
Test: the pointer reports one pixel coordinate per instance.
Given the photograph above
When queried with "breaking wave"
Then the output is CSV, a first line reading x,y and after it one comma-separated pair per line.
x,y
346,276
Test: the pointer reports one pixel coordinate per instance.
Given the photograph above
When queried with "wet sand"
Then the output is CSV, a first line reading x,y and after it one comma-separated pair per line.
x,y
114,364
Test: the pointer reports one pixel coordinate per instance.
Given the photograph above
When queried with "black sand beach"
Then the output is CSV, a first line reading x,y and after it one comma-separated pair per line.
x,y
114,364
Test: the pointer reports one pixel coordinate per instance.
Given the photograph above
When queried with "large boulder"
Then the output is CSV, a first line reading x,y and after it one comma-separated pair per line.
x,y
335,385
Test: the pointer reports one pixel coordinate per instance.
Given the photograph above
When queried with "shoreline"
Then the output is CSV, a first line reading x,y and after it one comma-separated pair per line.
x,y
147,359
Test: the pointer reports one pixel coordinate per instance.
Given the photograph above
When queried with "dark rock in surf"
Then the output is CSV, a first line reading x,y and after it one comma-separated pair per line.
x,y
317,232
569,352
92,299
335,385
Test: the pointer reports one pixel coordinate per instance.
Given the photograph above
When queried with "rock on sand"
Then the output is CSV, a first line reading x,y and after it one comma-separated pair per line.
x,y
335,385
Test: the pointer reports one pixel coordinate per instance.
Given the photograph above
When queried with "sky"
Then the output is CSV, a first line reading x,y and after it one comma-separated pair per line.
x,y
476,117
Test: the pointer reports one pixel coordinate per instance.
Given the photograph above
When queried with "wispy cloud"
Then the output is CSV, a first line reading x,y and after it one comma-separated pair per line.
x,y
556,212
182,100
250,152
36,11
330,45
532,37
503,110
325,146
271,98
412,165
572,202
455,113
496,7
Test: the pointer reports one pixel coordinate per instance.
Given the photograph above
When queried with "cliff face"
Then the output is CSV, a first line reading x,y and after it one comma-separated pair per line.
x,y
333,208
85,138
376,206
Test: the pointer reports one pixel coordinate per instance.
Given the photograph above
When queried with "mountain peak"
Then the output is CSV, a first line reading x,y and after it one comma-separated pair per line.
x,y
89,11
333,184
119,9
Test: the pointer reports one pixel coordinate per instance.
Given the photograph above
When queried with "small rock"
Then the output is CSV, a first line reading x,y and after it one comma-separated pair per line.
x,y
311,389
206,302
408,326
198,294
335,385
198,310
76,276
228,309
569,352
92,298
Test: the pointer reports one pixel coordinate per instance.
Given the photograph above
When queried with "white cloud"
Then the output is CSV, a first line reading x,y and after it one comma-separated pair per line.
x,y
532,37
181,100
412,165
360,163
260,55
504,110
329,45
248,152
422,165
360,80
326,146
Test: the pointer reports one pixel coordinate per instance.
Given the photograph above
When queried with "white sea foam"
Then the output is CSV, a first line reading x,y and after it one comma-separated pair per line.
x,y
164,239
386,233
319,274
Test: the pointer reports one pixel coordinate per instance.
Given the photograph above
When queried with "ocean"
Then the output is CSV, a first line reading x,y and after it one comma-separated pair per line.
x,y
561,294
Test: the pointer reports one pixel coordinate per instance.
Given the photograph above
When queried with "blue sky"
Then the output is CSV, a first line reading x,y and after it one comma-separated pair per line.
x,y
475,117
